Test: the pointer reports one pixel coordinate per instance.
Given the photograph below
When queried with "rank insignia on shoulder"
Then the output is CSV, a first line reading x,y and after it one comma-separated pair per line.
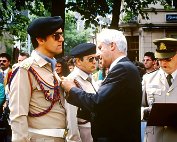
x,y
26,63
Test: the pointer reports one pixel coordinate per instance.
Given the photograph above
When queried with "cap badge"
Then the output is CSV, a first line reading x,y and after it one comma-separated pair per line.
x,y
162,46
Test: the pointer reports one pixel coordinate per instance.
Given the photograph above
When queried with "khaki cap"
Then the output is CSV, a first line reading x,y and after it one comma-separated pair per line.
x,y
166,48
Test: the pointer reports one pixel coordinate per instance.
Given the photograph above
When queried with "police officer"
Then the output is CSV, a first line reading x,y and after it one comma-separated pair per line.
x,y
36,101
85,64
161,87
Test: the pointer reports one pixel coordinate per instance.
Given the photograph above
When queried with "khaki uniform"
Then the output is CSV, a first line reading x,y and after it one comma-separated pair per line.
x,y
156,88
26,96
79,132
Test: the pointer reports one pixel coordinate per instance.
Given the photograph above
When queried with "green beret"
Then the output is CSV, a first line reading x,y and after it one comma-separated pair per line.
x,y
44,26
166,48
83,49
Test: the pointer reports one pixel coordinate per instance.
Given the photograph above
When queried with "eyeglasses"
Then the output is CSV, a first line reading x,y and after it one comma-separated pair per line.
x,y
92,58
4,61
147,60
57,35
165,59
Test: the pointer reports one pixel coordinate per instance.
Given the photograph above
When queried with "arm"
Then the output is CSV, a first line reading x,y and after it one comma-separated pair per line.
x,y
20,94
114,83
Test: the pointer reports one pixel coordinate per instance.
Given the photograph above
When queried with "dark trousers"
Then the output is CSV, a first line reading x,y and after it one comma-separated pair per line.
x,y
5,129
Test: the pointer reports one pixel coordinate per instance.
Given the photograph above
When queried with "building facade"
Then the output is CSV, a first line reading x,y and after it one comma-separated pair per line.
x,y
141,32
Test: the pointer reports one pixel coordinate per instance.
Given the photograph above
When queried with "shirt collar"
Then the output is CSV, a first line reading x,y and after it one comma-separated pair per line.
x,y
6,71
174,74
83,74
115,62
41,59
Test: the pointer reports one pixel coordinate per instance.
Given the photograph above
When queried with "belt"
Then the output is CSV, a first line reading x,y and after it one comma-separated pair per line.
x,y
61,133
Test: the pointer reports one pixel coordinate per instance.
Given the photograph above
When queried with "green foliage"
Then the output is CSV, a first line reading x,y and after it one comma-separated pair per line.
x,y
128,17
72,36
90,9
15,17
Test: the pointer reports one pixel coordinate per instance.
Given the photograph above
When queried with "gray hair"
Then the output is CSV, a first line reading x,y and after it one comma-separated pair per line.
x,y
108,36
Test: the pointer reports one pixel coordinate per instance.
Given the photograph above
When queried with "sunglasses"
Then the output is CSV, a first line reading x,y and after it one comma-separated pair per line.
x,y
92,58
165,59
4,61
57,35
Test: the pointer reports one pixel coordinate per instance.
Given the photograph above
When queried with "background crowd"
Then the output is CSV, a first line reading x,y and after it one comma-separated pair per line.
x,y
94,94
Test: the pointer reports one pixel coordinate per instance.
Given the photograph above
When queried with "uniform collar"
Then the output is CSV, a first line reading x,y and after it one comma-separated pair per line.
x,y
174,74
42,60
82,74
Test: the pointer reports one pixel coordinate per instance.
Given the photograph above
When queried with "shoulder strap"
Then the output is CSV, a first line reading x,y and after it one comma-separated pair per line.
x,y
12,76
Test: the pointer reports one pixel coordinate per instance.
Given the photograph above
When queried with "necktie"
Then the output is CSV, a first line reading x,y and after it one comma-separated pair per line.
x,y
169,77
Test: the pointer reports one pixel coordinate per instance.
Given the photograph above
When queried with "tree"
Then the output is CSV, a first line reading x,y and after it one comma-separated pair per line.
x,y
14,21
73,36
90,9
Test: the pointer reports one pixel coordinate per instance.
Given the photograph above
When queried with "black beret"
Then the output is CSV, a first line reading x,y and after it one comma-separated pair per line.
x,y
166,47
44,26
83,49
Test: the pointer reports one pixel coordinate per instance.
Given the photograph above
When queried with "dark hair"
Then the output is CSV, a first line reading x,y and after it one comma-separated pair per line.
x,y
150,54
35,42
71,62
141,68
6,55
24,54
64,66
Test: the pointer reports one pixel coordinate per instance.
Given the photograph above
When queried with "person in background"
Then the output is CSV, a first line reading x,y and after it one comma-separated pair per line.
x,y
36,104
71,64
22,56
2,124
161,87
85,65
149,61
156,65
116,105
62,67
100,73
141,68
5,60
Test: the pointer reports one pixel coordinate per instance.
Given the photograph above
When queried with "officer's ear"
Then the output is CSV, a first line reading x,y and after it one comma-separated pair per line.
x,y
40,40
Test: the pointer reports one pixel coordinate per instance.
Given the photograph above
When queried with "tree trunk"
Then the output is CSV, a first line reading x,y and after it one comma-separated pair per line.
x,y
115,14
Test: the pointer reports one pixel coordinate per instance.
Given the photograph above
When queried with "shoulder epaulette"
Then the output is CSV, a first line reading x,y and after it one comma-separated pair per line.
x,y
26,64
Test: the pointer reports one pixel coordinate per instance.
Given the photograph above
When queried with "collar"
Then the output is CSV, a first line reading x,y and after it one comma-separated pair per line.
x,y
42,60
174,74
6,71
115,62
82,74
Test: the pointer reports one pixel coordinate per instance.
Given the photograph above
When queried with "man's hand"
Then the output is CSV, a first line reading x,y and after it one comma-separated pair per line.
x,y
67,83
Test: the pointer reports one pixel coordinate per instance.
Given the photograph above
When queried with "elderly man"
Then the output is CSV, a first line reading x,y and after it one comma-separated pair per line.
x,y
36,100
116,106
161,87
